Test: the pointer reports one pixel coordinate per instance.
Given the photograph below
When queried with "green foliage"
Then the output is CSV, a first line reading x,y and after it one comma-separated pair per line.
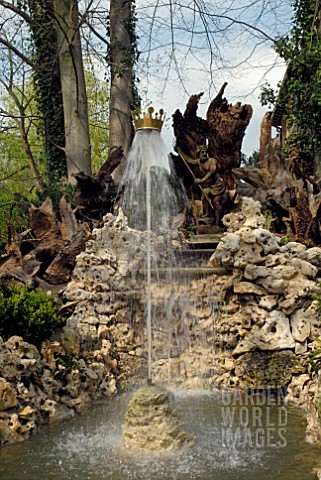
x,y
313,361
31,314
66,361
16,206
123,387
301,49
16,183
285,240
136,99
268,95
302,143
98,116
47,86
130,55
251,161
15,177
297,140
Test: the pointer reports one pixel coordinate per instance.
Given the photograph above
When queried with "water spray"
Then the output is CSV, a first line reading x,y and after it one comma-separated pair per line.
x,y
146,121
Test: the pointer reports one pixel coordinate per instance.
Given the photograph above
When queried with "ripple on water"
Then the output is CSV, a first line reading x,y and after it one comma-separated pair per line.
x,y
86,448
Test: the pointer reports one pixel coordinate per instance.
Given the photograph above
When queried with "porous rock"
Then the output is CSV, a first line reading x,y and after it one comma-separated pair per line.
x,y
8,397
263,369
275,334
152,424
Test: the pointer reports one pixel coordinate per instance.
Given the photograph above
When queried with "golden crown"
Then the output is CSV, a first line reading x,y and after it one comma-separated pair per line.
x,y
146,121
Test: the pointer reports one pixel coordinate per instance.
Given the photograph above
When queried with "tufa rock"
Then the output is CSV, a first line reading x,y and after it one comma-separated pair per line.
x,y
152,424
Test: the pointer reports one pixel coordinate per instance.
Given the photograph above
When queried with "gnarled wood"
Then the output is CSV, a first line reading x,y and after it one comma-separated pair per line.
x,y
50,257
96,194
208,151
60,269
11,264
68,226
285,187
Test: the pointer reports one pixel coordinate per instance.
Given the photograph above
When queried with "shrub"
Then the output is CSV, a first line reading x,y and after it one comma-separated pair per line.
x,y
16,206
31,314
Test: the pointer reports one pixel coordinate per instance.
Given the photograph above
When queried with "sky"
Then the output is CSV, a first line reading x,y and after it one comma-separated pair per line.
x,y
165,86
245,88
175,61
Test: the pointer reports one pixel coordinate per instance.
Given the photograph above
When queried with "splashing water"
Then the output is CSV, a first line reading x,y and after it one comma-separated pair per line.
x,y
149,200
149,197
86,448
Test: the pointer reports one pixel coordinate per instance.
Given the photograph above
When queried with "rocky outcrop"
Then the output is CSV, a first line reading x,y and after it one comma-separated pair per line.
x,y
110,290
270,322
255,328
152,424
107,286
41,387
273,287
205,328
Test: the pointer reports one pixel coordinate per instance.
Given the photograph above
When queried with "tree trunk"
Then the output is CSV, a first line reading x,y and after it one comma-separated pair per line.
x,y
48,85
77,142
121,60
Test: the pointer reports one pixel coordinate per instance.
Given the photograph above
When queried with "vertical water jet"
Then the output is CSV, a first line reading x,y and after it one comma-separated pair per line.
x,y
148,197
149,200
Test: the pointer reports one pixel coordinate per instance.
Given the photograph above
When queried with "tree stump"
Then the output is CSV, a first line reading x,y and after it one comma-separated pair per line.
x,y
208,151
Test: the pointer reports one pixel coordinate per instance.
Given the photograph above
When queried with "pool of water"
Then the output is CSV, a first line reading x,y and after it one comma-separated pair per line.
x,y
234,439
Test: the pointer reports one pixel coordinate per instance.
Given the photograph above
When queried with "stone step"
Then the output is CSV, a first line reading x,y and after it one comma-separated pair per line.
x,y
190,271
194,257
206,240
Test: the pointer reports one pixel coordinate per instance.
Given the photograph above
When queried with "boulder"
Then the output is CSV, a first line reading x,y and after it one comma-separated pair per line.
x,y
275,334
152,424
263,369
248,287
268,302
8,397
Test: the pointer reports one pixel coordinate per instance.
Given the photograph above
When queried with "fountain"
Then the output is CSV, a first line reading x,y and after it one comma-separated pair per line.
x,y
235,436
147,166
150,202
87,447
152,424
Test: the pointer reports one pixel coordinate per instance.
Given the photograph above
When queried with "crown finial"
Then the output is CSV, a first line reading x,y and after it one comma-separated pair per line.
x,y
146,120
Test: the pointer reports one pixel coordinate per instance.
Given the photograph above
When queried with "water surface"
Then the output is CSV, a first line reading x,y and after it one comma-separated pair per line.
x,y
245,445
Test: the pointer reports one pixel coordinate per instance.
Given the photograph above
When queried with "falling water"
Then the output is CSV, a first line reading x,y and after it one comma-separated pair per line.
x,y
150,202
149,198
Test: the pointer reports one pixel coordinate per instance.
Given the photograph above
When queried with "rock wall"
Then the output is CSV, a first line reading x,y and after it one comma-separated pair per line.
x,y
270,324
110,288
255,327
107,287
269,299
46,386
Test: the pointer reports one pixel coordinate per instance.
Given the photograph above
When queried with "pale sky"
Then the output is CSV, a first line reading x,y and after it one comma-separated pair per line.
x,y
178,64
243,87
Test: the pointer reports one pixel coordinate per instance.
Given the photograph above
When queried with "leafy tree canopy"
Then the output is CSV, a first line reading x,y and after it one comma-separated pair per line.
x,y
301,49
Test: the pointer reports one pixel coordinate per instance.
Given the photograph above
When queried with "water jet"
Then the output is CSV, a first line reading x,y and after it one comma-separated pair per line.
x,y
151,424
149,199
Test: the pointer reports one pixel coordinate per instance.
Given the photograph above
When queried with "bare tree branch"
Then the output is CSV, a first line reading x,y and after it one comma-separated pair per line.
x,y
97,34
23,57
10,176
18,11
